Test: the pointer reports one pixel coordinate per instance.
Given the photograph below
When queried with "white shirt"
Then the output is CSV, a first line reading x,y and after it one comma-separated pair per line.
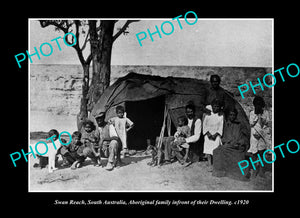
x,y
120,125
197,131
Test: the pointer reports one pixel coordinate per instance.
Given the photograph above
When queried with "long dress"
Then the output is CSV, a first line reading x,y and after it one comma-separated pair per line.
x,y
232,151
212,123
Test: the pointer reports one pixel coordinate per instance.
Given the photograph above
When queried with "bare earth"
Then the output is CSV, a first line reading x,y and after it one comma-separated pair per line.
x,y
136,175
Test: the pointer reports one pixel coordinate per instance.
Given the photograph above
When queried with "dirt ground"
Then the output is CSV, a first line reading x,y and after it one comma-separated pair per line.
x,y
136,175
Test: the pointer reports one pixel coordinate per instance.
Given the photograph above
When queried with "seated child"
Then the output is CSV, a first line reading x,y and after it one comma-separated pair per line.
x,y
183,131
122,125
73,152
90,139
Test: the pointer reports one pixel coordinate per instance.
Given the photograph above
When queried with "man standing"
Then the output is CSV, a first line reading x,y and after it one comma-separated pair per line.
x,y
215,92
110,146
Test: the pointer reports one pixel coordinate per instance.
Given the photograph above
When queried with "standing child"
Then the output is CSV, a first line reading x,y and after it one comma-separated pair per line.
x,y
259,139
122,125
212,130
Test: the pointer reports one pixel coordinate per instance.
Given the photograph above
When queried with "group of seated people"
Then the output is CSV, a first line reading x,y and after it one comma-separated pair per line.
x,y
218,138
224,141
107,139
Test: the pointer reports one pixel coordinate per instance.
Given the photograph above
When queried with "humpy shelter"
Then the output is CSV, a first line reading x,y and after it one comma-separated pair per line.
x,y
153,103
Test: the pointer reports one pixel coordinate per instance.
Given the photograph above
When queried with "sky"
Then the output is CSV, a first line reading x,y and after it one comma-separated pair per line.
x,y
209,42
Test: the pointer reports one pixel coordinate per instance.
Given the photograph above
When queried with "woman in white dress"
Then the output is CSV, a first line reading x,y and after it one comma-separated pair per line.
x,y
212,130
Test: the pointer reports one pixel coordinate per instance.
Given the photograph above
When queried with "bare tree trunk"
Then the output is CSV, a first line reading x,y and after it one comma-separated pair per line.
x,y
101,46
83,113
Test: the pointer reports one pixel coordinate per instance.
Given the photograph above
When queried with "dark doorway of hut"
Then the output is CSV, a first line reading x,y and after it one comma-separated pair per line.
x,y
147,116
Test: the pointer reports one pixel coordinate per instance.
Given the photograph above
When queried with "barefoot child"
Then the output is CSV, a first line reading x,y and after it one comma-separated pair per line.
x,y
73,152
212,131
183,131
90,139
122,125
260,126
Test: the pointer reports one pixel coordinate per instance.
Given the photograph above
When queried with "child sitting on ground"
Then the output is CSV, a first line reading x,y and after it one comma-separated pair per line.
x,y
90,139
122,125
73,152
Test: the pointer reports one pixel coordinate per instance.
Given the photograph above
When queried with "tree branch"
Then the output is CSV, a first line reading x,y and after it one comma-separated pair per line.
x,y
123,28
57,23
86,40
77,24
64,25
89,58
76,46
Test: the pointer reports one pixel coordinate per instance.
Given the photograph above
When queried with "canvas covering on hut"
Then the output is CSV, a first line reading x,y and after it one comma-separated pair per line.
x,y
175,92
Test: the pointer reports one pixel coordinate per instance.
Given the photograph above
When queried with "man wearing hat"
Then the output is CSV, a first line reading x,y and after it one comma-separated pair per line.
x,y
110,145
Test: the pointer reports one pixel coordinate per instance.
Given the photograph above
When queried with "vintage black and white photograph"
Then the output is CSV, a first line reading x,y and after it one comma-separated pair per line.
x,y
150,105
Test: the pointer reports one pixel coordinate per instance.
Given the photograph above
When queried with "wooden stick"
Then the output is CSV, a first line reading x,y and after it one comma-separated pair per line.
x,y
162,128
